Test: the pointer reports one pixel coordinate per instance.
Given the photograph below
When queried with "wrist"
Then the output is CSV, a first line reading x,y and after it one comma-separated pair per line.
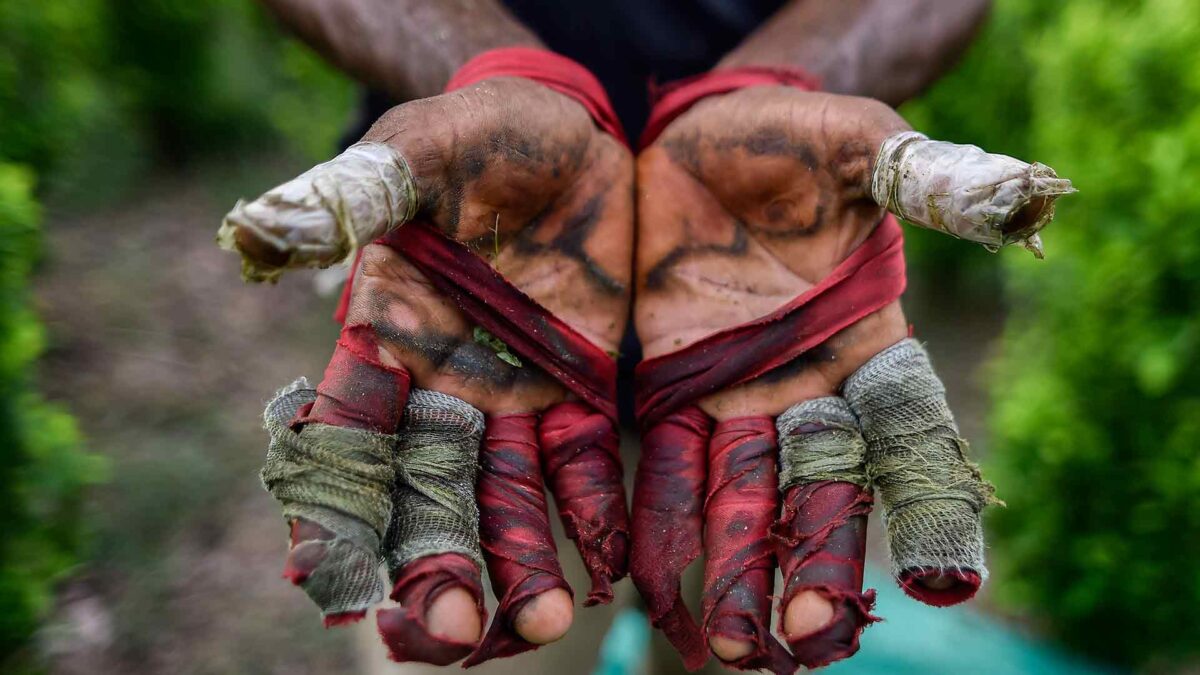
x,y
553,71
675,98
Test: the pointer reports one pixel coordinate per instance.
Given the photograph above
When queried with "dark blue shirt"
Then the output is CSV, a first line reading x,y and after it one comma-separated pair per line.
x,y
628,43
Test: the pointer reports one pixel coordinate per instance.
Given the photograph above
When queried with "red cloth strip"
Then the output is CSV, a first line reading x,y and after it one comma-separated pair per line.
x,y
674,99
867,281
419,583
739,571
583,467
514,530
551,70
821,542
964,584
668,524
526,327
358,390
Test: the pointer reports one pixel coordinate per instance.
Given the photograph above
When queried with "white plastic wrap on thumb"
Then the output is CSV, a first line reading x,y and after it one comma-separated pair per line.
x,y
324,215
966,192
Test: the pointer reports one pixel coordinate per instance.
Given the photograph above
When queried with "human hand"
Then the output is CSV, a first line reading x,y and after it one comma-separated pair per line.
x,y
521,176
749,204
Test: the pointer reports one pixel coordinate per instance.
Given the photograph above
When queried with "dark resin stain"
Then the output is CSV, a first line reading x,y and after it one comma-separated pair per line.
x,y
656,278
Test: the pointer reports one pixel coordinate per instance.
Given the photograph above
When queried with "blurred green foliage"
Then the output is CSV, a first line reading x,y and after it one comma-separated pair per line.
x,y
1096,426
42,468
94,95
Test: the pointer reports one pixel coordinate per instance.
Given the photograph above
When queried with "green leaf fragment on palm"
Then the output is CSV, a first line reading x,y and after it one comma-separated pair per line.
x,y
483,337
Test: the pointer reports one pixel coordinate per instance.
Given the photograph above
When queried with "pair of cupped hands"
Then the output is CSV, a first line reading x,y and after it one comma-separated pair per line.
x,y
744,202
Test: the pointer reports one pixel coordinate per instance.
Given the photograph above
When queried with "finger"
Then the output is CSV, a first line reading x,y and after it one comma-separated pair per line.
x,y
965,192
358,390
323,215
742,499
514,529
432,545
361,393
667,524
931,494
334,486
821,536
583,467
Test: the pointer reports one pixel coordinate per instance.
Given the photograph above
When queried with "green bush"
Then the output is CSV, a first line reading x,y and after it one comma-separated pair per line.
x,y
1096,426
92,94
209,76
42,468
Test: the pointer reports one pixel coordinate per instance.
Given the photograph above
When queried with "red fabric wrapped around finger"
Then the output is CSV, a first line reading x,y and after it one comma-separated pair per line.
x,y
821,537
667,524
404,630
432,543
583,468
739,570
514,529
358,390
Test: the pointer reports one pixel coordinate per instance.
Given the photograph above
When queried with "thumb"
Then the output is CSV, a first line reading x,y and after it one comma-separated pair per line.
x,y
965,192
323,215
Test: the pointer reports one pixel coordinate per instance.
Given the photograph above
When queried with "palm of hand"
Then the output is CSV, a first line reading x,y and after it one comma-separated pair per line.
x,y
534,188
745,202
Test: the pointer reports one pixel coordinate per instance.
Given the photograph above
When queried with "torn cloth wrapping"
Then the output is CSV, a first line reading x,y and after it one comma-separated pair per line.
x,y
667,386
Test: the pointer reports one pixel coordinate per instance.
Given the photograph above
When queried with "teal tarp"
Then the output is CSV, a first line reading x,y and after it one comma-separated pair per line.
x,y
914,639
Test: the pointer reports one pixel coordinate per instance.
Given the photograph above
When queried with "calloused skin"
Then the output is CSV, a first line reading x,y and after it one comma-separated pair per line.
x,y
524,178
745,202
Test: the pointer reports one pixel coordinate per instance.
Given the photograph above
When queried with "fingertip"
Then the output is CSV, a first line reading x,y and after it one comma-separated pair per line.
x,y
453,616
941,588
305,552
729,649
807,613
546,617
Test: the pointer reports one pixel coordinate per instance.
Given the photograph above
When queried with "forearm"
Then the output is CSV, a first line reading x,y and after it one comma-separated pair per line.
x,y
409,48
885,49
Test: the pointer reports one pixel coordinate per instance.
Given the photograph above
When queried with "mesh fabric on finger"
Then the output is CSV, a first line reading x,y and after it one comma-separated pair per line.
x,y
820,539
583,468
340,479
741,501
432,544
931,494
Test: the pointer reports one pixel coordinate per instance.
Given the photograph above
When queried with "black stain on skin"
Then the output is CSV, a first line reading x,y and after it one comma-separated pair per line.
x,y
465,358
772,142
784,228
656,278
819,354
684,150
570,242
505,146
